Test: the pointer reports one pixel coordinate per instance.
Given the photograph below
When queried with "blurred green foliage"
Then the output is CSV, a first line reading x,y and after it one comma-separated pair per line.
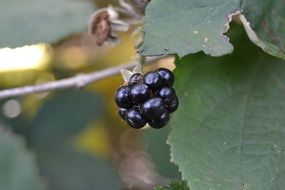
x,y
18,169
156,145
58,121
25,22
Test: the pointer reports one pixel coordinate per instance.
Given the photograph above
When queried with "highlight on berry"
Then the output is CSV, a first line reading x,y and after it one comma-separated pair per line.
x,y
147,99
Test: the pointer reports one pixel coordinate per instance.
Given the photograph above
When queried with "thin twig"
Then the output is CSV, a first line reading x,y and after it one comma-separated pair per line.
x,y
77,81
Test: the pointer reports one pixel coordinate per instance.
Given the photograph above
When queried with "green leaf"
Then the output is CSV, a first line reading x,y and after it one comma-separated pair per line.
x,y
175,185
190,26
27,21
159,151
265,25
18,170
229,130
187,26
60,120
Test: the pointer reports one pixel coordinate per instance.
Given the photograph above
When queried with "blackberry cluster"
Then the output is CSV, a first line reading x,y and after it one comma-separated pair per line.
x,y
147,98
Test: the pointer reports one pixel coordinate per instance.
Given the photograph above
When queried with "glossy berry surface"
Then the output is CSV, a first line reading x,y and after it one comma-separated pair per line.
x,y
167,76
135,79
139,93
122,112
147,99
135,119
122,97
173,105
152,80
167,94
153,108
160,122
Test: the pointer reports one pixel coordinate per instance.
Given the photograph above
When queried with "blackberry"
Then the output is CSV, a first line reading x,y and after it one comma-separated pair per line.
x,y
167,76
153,108
139,93
152,80
160,122
173,105
147,98
167,94
135,119
122,112
122,97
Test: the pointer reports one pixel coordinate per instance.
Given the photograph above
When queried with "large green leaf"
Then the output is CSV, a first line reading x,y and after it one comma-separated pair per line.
x,y
229,132
189,26
18,170
264,22
34,21
59,121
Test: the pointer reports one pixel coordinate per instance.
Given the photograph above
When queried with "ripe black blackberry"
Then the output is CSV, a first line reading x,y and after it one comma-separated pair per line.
x,y
135,119
167,77
153,108
122,97
168,94
153,80
160,122
139,93
147,98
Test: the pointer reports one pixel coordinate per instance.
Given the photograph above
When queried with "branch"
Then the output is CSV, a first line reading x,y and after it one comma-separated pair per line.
x,y
78,81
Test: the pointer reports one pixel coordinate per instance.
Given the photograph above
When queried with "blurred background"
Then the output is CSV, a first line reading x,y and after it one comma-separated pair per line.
x,y
74,139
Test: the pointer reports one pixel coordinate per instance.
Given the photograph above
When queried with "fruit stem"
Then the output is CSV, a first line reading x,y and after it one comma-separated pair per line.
x,y
141,63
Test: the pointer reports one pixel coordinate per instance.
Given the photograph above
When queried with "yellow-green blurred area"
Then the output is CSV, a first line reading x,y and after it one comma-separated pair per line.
x,y
76,136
